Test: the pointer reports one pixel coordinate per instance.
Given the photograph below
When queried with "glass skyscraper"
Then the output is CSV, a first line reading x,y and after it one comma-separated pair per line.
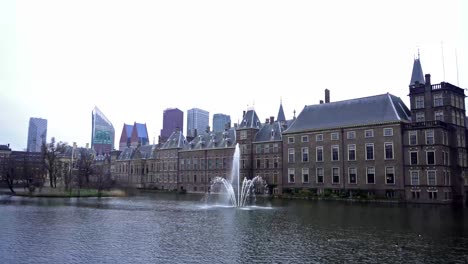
x,y
220,121
172,118
197,119
102,138
37,134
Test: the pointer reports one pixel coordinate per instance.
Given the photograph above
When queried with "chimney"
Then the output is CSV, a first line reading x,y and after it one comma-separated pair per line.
x,y
235,125
272,119
207,129
321,101
243,114
267,120
227,126
327,96
428,79
195,133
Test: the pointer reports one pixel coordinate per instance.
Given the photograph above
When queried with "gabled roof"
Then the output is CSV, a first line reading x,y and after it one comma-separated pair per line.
x,y
281,117
175,140
417,75
269,132
250,120
126,133
142,132
210,140
127,154
377,109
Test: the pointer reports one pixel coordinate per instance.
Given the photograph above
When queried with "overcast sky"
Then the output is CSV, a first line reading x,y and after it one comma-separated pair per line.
x,y
133,59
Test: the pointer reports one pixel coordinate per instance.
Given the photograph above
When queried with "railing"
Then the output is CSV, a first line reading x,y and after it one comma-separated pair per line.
x,y
435,123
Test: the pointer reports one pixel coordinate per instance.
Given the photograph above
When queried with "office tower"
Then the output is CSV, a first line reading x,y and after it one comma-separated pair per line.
x,y
102,140
197,121
172,118
220,121
37,134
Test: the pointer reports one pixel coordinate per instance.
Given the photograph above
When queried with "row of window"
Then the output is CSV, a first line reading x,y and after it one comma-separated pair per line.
x,y
335,175
430,158
431,194
267,163
335,153
266,148
369,133
431,177
457,118
438,100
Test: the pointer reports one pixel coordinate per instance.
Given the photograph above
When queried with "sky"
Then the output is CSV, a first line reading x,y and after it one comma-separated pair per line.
x,y
133,59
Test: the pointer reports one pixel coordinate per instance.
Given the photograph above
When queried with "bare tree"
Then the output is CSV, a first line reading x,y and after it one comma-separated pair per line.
x,y
52,164
102,175
9,172
85,167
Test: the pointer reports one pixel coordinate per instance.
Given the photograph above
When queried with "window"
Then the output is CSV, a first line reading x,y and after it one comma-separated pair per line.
x,y
445,158
430,137
438,100
335,175
352,152
334,136
413,158
352,175
415,194
258,149
319,175
275,148
420,117
369,133
266,148
290,155
335,152
319,156
291,175
447,178
432,194
275,162
319,137
431,177
351,134
305,175
439,115
258,164
243,134
430,157
290,140
388,132
413,137
369,151
419,102
414,177
390,175
266,163
370,175
305,154
388,150
305,138
244,164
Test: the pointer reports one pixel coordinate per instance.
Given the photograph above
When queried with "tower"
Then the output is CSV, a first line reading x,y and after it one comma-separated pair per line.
x,y
37,134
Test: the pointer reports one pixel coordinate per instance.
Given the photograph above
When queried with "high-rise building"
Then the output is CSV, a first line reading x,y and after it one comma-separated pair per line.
x,y
220,121
197,119
134,136
102,138
172,118
37,134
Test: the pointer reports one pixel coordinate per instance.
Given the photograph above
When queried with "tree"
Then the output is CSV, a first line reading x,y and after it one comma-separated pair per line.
x,y
85,166
102,175
8,172
52,163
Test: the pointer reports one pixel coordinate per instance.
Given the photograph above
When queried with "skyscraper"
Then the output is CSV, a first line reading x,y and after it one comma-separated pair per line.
x,y
220,121
197,119
172,118
37,134
102,138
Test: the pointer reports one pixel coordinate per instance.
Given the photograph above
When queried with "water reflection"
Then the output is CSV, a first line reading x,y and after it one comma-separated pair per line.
x,y
171,228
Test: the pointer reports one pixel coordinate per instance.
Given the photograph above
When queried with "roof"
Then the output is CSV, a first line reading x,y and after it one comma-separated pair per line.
x,y
417,75
126,133
250,120
281,116
269,132
175,140
5,147
142,132
377,109
210,140
98,112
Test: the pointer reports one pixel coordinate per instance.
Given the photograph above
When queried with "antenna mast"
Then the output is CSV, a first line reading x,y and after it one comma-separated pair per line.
x,y
456,62
443,58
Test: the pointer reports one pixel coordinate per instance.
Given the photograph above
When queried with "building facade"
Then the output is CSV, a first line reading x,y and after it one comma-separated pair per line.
x,y
37,134
197,121
172,118
220,122
102,133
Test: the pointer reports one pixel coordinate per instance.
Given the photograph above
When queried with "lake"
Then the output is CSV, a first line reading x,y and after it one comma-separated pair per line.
x,y
170,228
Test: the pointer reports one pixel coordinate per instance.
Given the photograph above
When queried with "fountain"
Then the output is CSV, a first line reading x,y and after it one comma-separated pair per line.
x,y
244,191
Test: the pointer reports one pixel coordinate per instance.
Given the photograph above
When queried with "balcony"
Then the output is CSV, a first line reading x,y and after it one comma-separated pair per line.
x,y
427,124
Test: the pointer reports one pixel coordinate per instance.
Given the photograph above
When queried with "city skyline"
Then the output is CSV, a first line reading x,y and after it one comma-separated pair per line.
x,y
206,56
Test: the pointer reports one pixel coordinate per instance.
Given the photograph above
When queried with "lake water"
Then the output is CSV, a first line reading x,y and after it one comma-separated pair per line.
x,y
169,228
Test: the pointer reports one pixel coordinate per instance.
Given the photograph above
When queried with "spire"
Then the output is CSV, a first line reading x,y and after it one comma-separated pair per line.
x,y
281,117
417,75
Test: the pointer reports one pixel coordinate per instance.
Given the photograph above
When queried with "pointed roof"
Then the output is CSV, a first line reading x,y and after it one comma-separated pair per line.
x,y
417,75
126,133
97,112
281,117
250,120
379,109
